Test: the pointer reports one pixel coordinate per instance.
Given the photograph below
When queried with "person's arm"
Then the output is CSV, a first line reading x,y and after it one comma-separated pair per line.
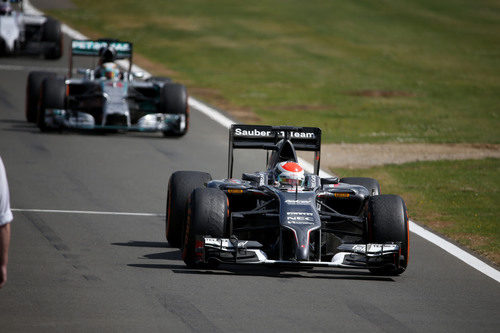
x,y
5,219
4,252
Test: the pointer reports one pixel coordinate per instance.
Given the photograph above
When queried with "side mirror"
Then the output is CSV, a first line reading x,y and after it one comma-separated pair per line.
x,y
329,181
250,177
139,75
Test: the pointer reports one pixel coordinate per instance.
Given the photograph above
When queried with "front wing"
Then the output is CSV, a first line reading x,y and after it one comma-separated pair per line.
x,y
357,256
157,122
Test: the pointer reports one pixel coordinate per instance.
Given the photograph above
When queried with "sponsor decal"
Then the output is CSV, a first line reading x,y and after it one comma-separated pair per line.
x,y
234,190
341,195
381,247
359,248
297,202
300,222
89,45
299,218
223,243
299,213
312,182
258,133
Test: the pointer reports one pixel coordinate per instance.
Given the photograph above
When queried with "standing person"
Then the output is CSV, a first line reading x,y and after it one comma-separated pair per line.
x,y
5,219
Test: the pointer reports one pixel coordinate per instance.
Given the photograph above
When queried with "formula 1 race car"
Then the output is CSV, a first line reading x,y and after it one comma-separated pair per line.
x,y
106,97
284,216
28,34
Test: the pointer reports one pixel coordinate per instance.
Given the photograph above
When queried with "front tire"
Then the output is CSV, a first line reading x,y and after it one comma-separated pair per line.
x,y
207,216
33,89
180,186
388,222
174,100
53,96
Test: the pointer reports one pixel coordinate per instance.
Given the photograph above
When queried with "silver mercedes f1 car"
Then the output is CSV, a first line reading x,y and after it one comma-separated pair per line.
x,y
106,97
284,216
23,34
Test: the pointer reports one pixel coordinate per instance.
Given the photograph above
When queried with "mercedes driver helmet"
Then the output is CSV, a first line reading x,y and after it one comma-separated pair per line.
x,y
110,71
289,173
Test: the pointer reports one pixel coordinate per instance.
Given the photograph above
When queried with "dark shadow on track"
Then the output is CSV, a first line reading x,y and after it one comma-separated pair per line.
x,y
16,121
172,255
158,266
143,244
19,126
271,272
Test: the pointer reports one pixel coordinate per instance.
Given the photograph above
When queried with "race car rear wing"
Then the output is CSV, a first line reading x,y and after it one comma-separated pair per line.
x,y
267,137
94,48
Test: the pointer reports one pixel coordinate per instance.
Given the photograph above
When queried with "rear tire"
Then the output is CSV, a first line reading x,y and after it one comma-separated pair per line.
x,y
180,186
174,100
207,215
33,89
388,222
52,33
370,184
53,95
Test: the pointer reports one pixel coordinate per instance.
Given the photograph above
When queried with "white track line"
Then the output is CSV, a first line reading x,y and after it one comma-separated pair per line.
x,y
456,251
31,68
90,212
226,122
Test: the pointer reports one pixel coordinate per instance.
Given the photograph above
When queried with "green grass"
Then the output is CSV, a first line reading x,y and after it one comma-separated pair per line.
x,y
298,62
456,198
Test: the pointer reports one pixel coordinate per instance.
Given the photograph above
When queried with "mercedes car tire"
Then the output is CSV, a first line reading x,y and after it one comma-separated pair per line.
x,y
33,86
174,100
52,96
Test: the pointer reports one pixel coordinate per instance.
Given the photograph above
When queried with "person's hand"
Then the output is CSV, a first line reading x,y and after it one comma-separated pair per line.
x,y
3,275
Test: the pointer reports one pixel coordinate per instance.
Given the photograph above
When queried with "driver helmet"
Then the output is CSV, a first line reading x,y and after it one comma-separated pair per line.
x,y
110,71
289,173
5,9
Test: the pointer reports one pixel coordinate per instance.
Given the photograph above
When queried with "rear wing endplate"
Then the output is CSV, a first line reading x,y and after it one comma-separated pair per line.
x,y
266,137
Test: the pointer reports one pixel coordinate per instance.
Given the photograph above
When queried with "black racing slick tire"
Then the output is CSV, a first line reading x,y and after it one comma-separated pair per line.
x,y
52,33
180,186
174,100
53,95
388,222
33,89
207,216
370,184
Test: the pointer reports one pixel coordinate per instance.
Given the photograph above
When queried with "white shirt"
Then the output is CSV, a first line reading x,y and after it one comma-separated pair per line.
x,y
5,212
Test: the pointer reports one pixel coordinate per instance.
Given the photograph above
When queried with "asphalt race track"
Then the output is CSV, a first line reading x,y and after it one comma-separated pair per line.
x,y
71,272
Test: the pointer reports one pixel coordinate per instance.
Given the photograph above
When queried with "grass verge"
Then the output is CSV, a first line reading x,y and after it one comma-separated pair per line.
x,y
364,71
459,199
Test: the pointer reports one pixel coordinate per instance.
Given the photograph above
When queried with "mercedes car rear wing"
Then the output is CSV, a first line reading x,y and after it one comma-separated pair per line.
x,y
267,137
94,48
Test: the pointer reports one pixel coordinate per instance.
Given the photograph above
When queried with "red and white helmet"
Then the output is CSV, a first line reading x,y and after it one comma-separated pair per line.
x,y
289,173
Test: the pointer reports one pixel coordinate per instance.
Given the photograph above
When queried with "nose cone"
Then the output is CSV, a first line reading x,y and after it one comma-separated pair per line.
x,y
302,252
